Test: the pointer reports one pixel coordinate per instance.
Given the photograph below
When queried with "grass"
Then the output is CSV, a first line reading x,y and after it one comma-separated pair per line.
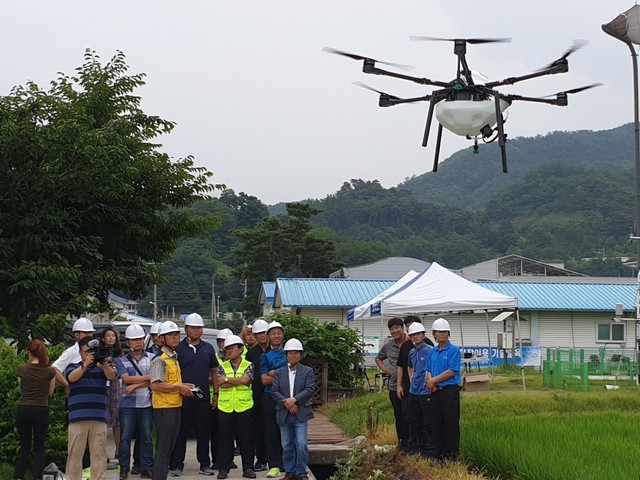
x,y
538,434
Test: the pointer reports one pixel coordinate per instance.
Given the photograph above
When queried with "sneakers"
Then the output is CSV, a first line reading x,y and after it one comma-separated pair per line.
x,y
260,467
124,475
223,474
273,473
248,473
206,471
147,474
175,472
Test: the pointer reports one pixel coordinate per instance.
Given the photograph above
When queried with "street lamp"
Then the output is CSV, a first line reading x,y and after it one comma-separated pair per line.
x,y
626,28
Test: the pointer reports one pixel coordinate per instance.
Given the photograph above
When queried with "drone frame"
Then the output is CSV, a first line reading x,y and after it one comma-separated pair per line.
x,y
464,85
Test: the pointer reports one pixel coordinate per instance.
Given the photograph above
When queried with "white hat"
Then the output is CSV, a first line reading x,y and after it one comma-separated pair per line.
x,y
416,327
83,324
134,332
155,328
233,340
259,326
194,320
168,327
441,325
275,325
293,344
223,334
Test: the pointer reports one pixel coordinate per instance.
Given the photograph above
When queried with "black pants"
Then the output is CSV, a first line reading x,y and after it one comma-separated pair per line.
x,y
235,426
445,408
194,412
421,416
32,423
401,426
272,433
411,441
258,428
167,422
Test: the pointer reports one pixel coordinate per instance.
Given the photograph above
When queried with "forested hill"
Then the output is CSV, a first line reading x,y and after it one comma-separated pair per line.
x,y
469,181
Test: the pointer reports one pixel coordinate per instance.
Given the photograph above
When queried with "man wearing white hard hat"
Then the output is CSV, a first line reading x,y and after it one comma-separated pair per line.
x,y
168,391
235,402
220,339
293,387
270,361
443,379
420,399
259,330
198,364
156,341
136,413
82,327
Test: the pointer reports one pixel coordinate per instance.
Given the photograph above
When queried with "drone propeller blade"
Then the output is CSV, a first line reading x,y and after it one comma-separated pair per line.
x,y
355,56
574,90
364,85
577,45
419,38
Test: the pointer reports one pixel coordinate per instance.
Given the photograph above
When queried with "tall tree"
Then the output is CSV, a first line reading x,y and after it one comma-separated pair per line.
x,y
88,202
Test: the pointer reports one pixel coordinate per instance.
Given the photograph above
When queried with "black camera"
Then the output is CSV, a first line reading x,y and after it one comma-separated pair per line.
x,y
100,354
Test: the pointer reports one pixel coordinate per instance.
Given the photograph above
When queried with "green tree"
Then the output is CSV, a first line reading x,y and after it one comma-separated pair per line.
x,y
284,247
89,202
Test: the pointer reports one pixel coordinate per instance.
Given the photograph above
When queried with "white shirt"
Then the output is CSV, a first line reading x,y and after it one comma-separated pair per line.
x,y
69,356
292,380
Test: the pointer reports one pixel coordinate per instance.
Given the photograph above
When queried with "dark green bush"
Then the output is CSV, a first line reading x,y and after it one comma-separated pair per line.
x,y
340,346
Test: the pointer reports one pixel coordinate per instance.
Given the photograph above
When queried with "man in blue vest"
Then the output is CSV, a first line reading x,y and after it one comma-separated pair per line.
x,y
235,402
420,399
270,361
443,379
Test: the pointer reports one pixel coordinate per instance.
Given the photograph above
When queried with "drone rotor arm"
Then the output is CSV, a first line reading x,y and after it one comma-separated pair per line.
x,y
421,81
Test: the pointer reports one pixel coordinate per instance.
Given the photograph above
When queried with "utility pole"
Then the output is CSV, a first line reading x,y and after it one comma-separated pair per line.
x,y
155,302
213,298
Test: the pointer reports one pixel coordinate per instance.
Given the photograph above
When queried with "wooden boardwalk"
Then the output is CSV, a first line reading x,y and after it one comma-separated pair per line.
x,y
322,431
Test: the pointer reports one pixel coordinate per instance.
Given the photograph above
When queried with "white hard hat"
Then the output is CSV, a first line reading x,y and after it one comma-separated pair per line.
x,y
168,327
233,340
83,324
155,328
275,325
293,344
440,325
259,326
194,320
416,327
134,332
223,334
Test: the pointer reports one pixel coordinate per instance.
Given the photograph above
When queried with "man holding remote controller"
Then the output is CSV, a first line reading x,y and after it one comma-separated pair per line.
x,y
168,390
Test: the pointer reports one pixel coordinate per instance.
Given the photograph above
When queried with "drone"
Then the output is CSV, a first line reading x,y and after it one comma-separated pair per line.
x,y
469,105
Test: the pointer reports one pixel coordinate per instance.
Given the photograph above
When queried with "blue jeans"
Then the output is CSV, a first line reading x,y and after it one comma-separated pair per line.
x,y
132,420
295,452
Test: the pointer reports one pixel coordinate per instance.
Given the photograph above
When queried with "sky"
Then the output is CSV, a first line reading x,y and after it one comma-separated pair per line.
x,y
258,103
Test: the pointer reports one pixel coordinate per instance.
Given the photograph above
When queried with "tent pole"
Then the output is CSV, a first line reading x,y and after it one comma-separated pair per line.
x,y
486,315
524,386
461,335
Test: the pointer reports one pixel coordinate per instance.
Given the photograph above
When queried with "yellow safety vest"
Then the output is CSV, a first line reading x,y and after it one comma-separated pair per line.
x,y
238,398
172,375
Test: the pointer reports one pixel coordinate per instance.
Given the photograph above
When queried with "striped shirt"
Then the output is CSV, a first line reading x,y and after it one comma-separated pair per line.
x,y
87,396
141,397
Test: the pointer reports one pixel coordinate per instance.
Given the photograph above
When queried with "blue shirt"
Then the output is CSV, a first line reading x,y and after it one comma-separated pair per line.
x,y
418,361
196,362
88,395
272,360
447,358
141,397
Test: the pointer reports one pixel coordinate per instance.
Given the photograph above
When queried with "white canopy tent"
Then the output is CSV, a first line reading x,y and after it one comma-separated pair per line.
x,y
363,311
438,290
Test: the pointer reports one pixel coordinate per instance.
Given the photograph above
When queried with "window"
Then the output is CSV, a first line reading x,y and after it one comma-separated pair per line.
x,y
611,332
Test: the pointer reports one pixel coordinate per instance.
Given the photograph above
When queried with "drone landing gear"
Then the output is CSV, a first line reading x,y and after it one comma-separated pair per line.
x,y
476,150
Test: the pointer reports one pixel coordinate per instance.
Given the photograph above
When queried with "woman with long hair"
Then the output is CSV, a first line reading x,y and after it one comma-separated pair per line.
x,y
37,381
109,338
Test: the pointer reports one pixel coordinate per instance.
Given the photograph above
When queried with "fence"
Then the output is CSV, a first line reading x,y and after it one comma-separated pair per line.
x,y
578,368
